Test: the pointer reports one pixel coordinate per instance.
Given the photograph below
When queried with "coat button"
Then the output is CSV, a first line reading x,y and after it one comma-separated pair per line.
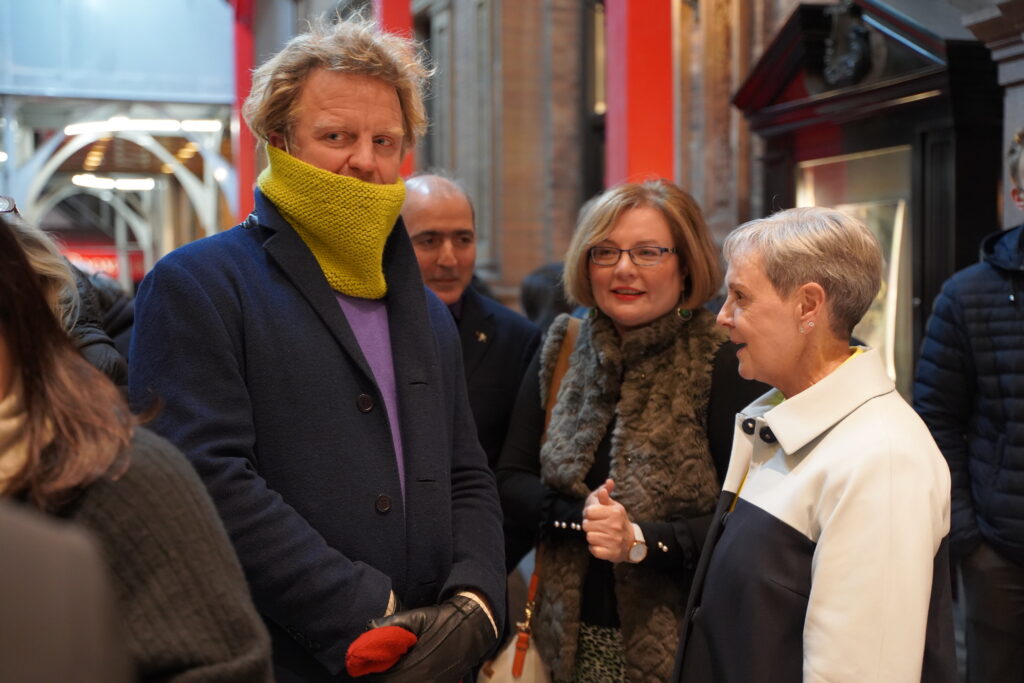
x,y
364,402
748,425
383,503
767,436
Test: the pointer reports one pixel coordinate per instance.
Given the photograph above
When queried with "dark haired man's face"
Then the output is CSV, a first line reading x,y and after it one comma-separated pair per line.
x,y
442,232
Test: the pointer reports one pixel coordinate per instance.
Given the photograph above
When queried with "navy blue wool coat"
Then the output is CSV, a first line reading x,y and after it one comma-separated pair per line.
x,y
266,390
969,390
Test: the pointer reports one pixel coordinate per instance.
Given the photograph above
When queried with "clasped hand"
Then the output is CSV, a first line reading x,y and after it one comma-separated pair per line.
x,y
606,523
453,637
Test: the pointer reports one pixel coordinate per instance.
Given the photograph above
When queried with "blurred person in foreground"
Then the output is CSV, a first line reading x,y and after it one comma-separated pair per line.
x,y
969,390
623,488
70,447
59,620
317,386
828,557
497,342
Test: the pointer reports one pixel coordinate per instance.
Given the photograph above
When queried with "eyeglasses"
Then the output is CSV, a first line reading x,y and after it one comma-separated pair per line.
x,y
7,205
640,256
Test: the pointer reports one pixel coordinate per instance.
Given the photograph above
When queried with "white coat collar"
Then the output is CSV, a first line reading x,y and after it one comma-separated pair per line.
x,y
798,420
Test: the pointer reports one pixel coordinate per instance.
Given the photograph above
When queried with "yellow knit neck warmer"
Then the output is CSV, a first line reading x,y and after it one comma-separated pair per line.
x,y
344,221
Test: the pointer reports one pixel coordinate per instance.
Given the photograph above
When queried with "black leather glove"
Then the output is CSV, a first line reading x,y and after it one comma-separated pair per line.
x,y
453,638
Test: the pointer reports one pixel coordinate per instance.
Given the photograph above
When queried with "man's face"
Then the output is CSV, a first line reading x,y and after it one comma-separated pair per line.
x,y
441,228
347,124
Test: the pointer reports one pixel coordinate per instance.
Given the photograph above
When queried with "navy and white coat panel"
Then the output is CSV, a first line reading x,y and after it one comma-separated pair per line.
x,y
829,558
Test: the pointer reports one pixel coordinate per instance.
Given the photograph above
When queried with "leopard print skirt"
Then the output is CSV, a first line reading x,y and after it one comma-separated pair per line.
x,y
600,656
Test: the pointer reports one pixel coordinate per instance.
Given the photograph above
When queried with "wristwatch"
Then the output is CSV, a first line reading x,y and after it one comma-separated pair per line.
x,y
637,551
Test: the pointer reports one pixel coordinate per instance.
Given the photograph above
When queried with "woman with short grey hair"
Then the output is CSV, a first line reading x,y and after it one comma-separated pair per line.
x,y
828,558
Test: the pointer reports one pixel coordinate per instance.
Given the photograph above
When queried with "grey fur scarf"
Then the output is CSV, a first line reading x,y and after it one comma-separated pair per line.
x,y
655,381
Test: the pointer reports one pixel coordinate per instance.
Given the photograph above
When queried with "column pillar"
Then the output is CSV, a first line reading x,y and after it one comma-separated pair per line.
x,y
639,133
395,16
243,141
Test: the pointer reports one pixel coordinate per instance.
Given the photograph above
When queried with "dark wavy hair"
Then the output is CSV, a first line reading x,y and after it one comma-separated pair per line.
x,y
78,423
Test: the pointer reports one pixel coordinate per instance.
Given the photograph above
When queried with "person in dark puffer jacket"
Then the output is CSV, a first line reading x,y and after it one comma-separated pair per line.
x,y
969,390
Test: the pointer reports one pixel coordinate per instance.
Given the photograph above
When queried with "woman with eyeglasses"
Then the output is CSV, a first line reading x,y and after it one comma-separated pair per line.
x,y
621,493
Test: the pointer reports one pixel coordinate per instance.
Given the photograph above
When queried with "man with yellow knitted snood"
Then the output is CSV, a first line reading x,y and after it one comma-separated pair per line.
x,y
318,388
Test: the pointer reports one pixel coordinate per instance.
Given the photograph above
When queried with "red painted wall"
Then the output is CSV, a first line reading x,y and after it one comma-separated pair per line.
x,y
395,16
244,144
639,122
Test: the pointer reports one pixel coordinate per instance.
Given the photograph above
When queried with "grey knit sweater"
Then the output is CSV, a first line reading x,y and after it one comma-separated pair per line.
x,y
186,606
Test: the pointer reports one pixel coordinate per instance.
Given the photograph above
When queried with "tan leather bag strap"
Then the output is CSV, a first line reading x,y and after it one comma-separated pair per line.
x,y
561,366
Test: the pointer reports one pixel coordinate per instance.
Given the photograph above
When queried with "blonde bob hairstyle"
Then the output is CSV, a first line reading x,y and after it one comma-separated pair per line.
x,y
816,244
696,251
356,47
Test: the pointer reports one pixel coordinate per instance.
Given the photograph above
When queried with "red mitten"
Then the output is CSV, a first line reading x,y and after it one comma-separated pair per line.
x,y
377,650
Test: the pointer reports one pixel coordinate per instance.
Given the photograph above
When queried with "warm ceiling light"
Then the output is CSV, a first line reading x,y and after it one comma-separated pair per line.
x,y
126,184
166,168
134,184
91,181
201,125
119,123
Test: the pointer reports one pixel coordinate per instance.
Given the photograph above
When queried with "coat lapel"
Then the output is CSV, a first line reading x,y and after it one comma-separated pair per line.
x,y
476,330
300,266
418,380
412,342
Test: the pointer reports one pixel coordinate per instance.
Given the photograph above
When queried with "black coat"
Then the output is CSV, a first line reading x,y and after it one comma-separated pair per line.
x,y
269,395
497,345
969,390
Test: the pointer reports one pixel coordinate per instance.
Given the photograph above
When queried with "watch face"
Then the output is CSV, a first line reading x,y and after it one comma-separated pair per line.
x,y
638,552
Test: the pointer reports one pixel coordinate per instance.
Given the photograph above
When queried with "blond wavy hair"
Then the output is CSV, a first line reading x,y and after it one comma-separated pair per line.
x,y
356,47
